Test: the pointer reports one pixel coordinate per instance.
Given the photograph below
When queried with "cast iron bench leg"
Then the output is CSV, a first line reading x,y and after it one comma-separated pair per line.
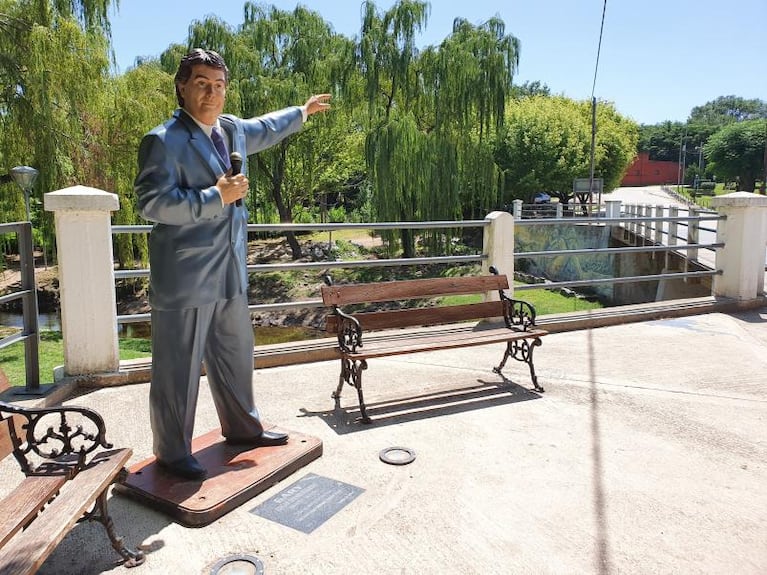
x,y
521,350
100,514
351,373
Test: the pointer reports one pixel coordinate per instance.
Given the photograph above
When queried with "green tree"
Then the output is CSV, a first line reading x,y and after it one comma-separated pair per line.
x,y
134,103
727,109
54,66
527,89
546,144
736,152
279,58
662,141
432,116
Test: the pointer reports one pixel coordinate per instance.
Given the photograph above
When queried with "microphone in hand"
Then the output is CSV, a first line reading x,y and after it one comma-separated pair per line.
x,y
235,158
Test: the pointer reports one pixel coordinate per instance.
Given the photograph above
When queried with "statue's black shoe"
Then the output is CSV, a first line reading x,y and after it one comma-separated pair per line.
x,y
267,438
187,467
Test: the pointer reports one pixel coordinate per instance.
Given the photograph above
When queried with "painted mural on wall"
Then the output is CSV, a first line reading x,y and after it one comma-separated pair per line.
x,y
601,266
564,267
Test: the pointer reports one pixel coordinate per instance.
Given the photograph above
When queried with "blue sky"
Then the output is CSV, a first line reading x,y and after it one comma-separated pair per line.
x,y
659,58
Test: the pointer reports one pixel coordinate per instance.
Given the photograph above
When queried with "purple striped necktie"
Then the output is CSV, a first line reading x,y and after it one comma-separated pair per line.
x,y
218,142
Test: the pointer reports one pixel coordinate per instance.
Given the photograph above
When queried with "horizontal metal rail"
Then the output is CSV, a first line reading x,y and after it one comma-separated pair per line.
x,y
624,220
15,295
261,307
332,226
623,280
318,303
11,339
628,250
144,272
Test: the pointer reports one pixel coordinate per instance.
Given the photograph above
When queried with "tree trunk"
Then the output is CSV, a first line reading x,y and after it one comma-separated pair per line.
x,y
285,215
408,243
748,183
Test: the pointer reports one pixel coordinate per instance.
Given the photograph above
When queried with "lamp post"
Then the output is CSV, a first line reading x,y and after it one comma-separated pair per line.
x,y
25,177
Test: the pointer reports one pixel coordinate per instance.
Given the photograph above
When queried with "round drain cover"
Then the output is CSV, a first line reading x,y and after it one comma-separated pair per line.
x,y
397,455
238,565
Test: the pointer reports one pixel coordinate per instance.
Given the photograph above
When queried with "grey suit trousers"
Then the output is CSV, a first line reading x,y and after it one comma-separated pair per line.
x,y
221,335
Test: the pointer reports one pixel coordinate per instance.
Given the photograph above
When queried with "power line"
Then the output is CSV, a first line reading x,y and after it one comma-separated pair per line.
x,y
599,49
594,113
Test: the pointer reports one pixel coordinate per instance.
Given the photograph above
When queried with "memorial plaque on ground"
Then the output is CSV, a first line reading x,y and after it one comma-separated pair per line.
x,y
308,503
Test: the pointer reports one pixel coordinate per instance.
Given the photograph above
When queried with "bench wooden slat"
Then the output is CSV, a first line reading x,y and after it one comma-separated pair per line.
x,y
6,444
409,289
23,503
26,552
450,338
421,316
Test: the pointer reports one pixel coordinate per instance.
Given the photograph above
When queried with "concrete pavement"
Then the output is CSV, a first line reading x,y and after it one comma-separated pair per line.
x,y
646,454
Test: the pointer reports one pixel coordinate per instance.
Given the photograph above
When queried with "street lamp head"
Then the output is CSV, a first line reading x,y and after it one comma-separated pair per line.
x,y
24,176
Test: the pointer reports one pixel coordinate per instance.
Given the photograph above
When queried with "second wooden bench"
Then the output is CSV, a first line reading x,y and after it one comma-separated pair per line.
x,y
66,479
356,347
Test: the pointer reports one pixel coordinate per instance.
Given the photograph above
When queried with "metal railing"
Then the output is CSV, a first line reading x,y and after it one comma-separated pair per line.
x,y
642,226
626,220
29,334
323,265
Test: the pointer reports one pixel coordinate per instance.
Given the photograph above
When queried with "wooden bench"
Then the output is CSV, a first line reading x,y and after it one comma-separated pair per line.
x,y
519,332
66,480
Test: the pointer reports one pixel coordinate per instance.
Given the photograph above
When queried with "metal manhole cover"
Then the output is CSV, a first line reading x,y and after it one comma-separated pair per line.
x,y
397,455
238,565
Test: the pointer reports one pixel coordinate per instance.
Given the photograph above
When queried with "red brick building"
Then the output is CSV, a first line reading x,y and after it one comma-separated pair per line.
x,y
646,172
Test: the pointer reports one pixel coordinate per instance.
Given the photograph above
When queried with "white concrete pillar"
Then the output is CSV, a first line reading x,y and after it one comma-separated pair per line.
x,y
613,208
516,208
744,234
658,225
498,244
86,278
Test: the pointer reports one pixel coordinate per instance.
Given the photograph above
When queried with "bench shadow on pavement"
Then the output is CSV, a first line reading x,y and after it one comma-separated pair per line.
x,y
138,525
435,403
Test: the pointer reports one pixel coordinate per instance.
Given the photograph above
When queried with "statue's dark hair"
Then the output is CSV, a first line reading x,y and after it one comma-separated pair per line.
x,y
195,57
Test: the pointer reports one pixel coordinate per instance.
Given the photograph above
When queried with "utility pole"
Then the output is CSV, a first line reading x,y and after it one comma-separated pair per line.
x,y
764,176
679,173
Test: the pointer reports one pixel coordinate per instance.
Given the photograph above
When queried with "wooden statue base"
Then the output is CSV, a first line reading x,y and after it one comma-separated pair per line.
x,y
235,475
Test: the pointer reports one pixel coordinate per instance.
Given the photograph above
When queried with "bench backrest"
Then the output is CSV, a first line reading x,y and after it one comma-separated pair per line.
x,y
338,295
6,444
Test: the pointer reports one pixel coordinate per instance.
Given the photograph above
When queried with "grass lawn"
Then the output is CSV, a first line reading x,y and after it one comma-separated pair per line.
x,y
51,354
544,301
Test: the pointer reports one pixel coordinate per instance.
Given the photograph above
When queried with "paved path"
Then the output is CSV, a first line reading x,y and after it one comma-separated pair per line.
x,y
653,195
646,454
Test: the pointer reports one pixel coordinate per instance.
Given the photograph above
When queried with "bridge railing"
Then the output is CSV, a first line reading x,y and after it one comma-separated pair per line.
x,y
82,218
27,294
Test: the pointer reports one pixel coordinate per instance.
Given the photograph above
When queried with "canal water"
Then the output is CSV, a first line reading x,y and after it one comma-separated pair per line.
x,y
264,335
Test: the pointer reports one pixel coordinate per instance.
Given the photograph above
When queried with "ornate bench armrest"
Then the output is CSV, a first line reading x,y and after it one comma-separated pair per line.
x,y
61,437
518,314
349,331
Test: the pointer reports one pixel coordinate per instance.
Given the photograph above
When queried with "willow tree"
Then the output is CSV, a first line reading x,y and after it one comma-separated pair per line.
x,y
279,58
471,76
54,64
135,102
433,115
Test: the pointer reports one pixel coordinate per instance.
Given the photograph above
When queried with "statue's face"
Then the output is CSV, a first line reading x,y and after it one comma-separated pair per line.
x,y
204,93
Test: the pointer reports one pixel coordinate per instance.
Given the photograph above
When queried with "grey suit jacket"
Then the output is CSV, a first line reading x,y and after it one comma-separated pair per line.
x,y
197,247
